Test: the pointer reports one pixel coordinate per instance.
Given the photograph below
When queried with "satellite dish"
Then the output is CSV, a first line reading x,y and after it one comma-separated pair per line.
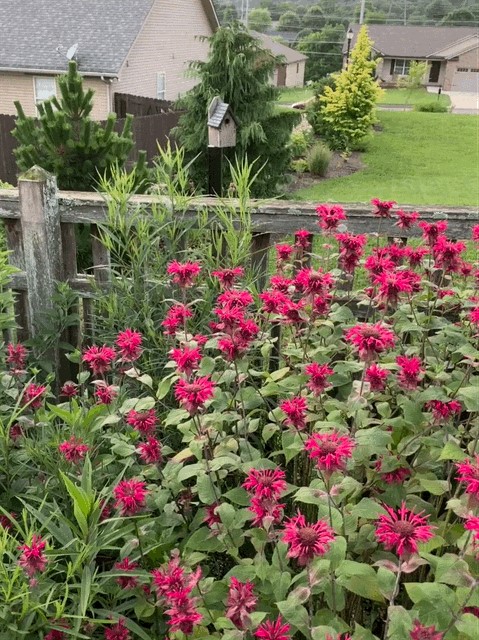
x,y
72,51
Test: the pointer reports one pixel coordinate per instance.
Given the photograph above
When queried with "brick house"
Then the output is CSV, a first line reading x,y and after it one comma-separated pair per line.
x,y
451,52
139,47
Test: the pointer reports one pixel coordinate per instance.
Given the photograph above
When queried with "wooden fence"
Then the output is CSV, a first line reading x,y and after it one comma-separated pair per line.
x,y
40,232
8,166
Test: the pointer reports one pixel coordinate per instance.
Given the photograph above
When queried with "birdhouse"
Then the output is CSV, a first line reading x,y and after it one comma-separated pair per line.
x,y
221,125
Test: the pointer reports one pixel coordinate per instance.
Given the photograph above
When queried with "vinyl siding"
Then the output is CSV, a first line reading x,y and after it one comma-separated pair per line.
x,y
295,74
166,44
468,60
20,86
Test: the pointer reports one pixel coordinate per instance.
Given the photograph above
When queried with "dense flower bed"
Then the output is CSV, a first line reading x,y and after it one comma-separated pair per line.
x,y
297,470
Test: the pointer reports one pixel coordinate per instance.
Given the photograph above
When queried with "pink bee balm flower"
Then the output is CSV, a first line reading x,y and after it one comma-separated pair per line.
x,y
351,250
130,496
16,356
145,422
391,285
193,395
447,255
277,630
407,219
33,559
57,634
410,372
183,614
376,376
302,239
266,512
293,312
150,451
73,450
118,631
69,390
401,530
415,255
235,298
212,518
472,524
265,483
272,301
330,216
329,451
126,566
184,273
105,393
382,208
295,410
431,231
176,319
99,359
33,395
370,340
420,632
241,602
280,283
475,233
474,316
442,411
284,251
318,377
228,277
469,476
306,541
313,282
129,343
187,359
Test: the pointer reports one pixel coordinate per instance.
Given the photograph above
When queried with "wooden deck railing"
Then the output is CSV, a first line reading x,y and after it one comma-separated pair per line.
x,y
40,230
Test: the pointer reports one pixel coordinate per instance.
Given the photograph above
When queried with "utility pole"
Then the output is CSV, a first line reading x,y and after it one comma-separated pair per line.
x,y
247,12
405,12
361,13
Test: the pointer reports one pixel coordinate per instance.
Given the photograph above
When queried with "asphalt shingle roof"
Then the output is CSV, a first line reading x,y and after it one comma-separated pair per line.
x,y
32,30
411,41
279,49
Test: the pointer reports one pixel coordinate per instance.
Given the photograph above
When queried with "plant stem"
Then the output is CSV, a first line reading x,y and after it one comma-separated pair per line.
x,y
391,602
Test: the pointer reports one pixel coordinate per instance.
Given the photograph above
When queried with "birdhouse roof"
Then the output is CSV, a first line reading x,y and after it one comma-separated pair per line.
x,y
218,114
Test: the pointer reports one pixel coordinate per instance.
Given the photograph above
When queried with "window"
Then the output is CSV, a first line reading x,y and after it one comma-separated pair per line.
x,y
401,67
462,69
44,88
474,70
297,67
160,85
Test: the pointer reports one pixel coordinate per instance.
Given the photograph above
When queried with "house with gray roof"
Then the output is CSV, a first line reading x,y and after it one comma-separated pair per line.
x,y
289,70
137,47
452,54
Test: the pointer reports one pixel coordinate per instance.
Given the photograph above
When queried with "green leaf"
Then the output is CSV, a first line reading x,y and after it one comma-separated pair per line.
x,y
85,590
436,487
470,395
360,579
337,552
206,492
400,623
238,496
368,508
227,514
430,591
453,570
468,625
452,451
165,386
323,633
295,614
203,540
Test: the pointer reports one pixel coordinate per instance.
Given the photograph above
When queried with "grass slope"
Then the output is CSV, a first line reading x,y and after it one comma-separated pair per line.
x,y
417,96
296,94
418,158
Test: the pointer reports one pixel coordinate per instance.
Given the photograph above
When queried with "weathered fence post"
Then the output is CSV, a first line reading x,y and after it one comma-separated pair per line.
x,y
42,247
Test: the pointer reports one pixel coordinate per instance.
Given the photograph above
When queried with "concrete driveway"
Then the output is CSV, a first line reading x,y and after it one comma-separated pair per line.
x,y
466,102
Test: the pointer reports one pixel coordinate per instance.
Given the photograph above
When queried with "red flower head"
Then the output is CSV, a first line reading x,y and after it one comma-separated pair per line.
x,y
183,614
33,395
150,451
306,541
187,359
378,264
277,630
129,343
265,484
447,255
313,282
410,372
351,250
171,579
126,566
284,251
382,208
32,559
293,312
401,530
469,476
330,451
266,512
241,602
272,301
376,376
442,411
279,283
145,422
318,377
420,632
330,216
69,390
193,395
302,239
295,409
130,496
57,634
99,359
212,518
475,233
474,316
393,476
16,356
228,277
407,219
391,285
6,521
184,273
104,393
472,524
118,631
431,231
176,319
415,255
370,340
234,298
73,450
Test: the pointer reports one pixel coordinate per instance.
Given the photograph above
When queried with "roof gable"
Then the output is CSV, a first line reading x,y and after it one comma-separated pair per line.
x,y
466,44
41,31
279,49
397,41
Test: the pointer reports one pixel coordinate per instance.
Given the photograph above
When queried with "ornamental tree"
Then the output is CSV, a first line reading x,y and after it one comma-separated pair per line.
x,y
259,19
348,110
66,141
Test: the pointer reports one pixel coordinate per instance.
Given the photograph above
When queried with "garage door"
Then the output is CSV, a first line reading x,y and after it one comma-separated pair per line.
x,y
465,79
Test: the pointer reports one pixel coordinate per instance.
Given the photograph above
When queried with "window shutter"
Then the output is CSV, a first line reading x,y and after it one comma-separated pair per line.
x,y
393,62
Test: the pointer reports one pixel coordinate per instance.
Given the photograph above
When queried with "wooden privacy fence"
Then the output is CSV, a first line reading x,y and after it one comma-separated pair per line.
x,y
40,232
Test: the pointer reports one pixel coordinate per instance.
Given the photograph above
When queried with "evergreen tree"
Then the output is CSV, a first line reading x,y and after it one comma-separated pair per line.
x,y
66,141
239,71
348,110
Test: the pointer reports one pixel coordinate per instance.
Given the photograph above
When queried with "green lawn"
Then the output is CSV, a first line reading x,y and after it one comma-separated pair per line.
x,y
418,158
297,94
417,96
